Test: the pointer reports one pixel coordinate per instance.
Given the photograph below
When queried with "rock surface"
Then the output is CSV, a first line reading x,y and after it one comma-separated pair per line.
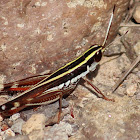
x,y
58,131
36,122
94,118
17,126
42,35
18,137
136,15
34,127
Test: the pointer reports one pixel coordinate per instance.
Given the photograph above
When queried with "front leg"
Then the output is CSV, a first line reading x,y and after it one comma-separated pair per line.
x,y
97,90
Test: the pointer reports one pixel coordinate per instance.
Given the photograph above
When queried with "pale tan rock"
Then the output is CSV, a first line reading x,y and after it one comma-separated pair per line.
x,y
137,48
59,131
138,96
36,135
131,89
17,126
15,116
35,123
18,137
136,14
8,133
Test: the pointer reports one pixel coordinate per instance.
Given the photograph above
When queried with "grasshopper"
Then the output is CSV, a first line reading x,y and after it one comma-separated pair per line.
x,y
44,89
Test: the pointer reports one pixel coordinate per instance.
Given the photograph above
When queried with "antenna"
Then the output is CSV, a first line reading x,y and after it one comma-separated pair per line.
x,y
109,25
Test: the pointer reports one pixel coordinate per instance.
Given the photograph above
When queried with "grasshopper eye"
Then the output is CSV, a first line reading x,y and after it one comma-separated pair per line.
x,y
98,56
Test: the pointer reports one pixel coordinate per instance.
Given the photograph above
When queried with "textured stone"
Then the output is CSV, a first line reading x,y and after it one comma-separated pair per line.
x,y
138,95
136,14
36,135
17,126
95,117
137,48
14,117
35,123
7,133
38,36
18,137
132,127
34,127
131,89
58,131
